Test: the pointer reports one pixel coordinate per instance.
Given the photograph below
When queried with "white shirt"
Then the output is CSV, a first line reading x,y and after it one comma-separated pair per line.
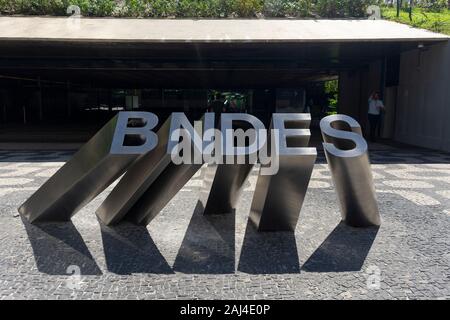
x,y
375,106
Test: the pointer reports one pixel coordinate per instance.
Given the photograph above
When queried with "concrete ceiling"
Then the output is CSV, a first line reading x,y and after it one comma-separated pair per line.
x,y
153,53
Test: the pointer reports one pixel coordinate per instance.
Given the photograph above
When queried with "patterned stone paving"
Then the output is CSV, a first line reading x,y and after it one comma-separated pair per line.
x,y
184,255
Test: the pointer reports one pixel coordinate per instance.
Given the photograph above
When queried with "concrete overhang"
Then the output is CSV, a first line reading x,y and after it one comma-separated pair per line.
x,y
118,52
208,30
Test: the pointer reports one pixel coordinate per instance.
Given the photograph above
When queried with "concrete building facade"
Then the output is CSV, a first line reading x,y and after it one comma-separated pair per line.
x,y
57,71
417,99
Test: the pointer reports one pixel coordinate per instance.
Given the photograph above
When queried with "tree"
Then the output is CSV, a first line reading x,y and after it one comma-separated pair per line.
x,y
399,6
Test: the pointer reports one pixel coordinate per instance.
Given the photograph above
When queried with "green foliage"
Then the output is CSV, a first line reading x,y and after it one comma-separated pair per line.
x,y
433,5
282,8
192,8
342,8
244,8
428,14
51,7
163,8
189,8
331,89
57,7
101,7
437,21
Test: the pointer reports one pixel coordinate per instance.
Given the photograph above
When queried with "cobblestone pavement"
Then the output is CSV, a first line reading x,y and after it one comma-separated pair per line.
x,y
184,255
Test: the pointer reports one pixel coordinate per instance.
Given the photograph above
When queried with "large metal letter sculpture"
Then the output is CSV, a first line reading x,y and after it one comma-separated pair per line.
x,y
153,180
347,156
93,168
223,183
278,199
136,180
222,186
159,165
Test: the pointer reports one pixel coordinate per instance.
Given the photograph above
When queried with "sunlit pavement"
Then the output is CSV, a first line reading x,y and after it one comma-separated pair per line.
x,y
185,255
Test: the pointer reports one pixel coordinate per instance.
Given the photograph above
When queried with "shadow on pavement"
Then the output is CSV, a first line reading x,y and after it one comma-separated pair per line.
x,y
208,246
345,249
268,252
130,249
56,246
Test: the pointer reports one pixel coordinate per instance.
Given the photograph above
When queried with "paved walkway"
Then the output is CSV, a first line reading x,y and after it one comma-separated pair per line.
x,y
184,255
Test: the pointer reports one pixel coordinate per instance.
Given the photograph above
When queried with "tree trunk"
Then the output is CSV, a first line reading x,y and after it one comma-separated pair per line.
x,y
411,4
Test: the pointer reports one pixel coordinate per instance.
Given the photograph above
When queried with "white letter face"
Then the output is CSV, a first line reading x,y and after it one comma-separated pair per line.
x,y
257,135
337,140
134,139
191,138
300,136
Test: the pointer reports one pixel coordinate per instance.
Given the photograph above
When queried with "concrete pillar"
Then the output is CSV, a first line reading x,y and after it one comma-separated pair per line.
x,y
68,104
41,112
423,98
355,87
349,93
390,102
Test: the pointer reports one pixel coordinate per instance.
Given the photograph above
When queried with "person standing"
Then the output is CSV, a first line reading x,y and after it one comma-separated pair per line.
x,y
374,113
217,104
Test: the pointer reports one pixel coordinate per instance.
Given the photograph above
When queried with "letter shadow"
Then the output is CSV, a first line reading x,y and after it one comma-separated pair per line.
x,y
268,252
208,246
130,249
56,246
345,249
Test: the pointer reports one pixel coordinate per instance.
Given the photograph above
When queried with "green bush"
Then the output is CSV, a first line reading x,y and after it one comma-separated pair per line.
x,y
131,8
57,7
244,8
193,8
331,88
286,8
32,7
199,8
343,8
433,5
101,8
438,21
163,8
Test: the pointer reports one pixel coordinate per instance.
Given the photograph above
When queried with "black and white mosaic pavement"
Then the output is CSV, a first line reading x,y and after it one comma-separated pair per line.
x,y
182,254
